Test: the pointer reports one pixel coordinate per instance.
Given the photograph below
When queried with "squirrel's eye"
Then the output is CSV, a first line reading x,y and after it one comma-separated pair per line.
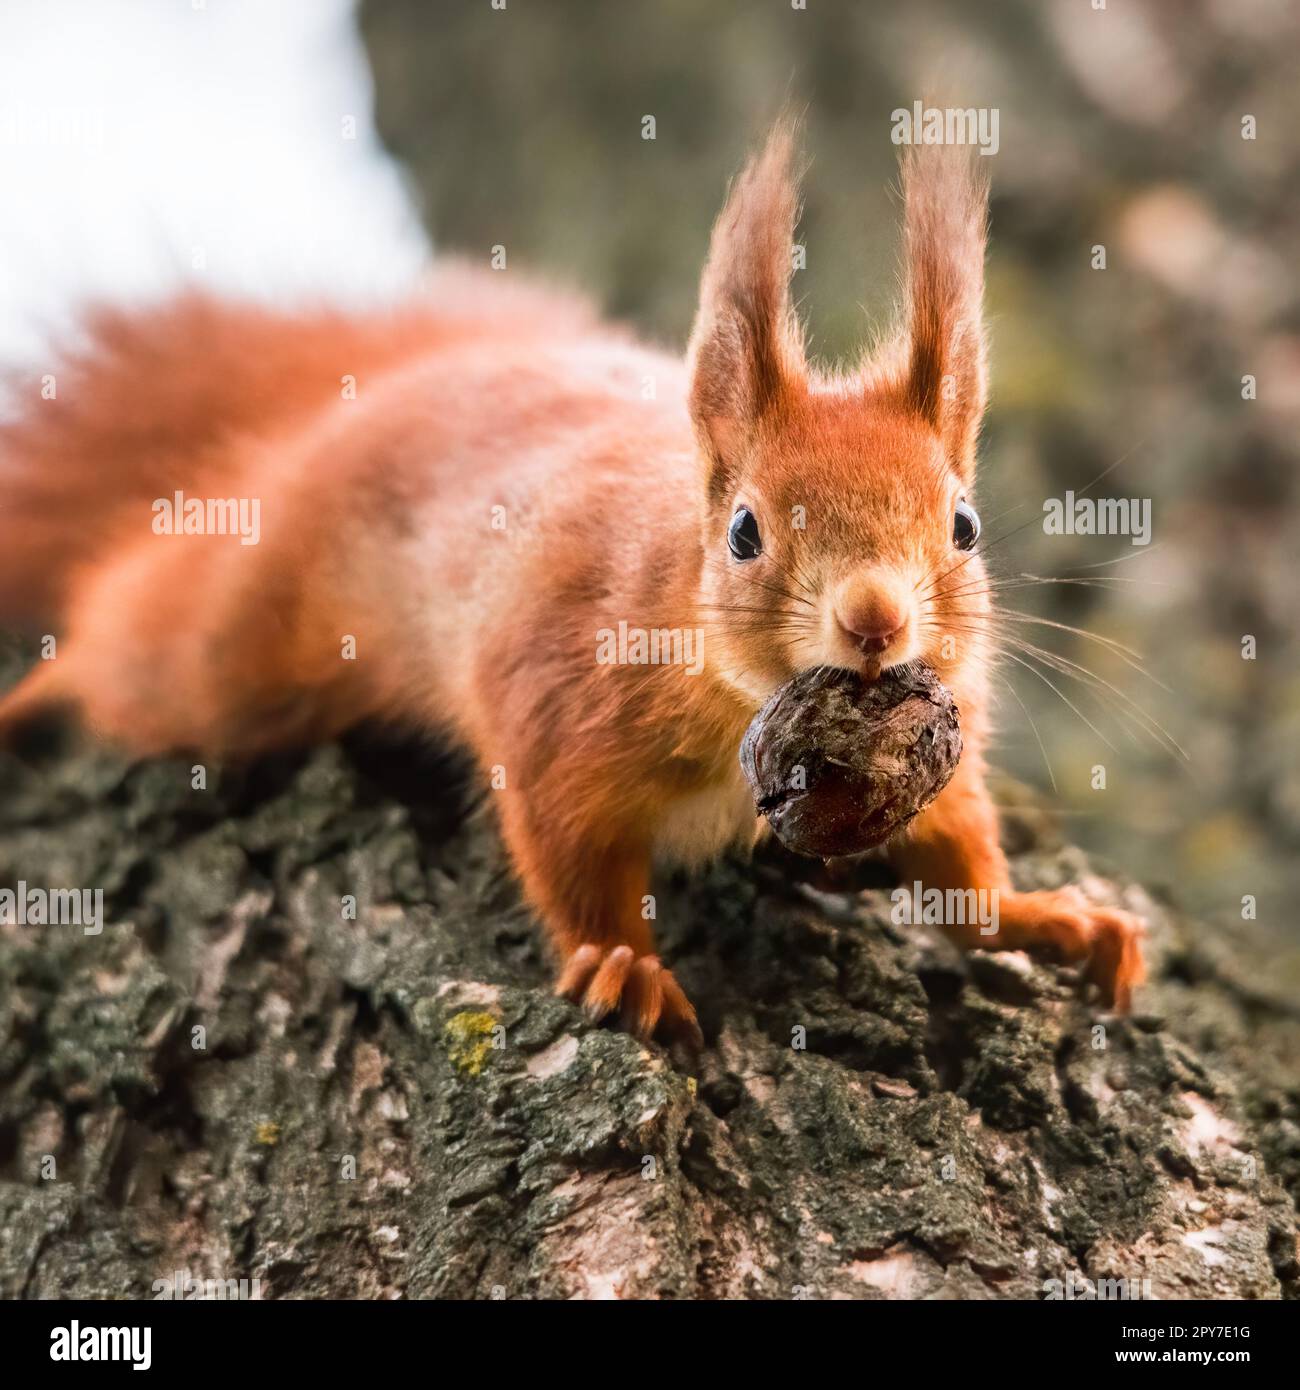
x,y
965,526
742,535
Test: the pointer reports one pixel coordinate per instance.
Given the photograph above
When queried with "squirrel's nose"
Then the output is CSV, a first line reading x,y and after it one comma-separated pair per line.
x,y
872,626
872,637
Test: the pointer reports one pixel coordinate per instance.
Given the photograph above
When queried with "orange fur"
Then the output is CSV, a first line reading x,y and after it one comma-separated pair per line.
x,y
489,404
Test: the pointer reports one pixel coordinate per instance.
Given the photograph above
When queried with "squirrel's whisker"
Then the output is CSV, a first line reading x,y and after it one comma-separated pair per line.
x,y
1122,705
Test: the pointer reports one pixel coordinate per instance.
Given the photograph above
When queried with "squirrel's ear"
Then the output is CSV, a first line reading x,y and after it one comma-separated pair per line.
x,y
746,353
946,223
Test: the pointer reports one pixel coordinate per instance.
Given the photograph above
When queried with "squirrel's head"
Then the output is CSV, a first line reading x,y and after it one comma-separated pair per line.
x,y
839,525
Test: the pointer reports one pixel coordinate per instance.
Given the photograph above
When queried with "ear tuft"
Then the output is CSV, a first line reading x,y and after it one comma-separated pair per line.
x,y
945,231
746,351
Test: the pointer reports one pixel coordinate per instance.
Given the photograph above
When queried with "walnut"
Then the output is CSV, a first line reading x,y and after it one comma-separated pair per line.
x,y
839,765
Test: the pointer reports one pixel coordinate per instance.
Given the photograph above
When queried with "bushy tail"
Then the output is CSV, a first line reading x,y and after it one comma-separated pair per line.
x,y
141,408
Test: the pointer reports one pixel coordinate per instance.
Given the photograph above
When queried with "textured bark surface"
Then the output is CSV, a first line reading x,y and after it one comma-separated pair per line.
x,y
949,1128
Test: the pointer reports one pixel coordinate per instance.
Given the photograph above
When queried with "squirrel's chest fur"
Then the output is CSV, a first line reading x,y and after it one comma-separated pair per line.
x,y
699,825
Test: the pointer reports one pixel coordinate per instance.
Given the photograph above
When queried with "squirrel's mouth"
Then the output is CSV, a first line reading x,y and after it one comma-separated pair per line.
x,y
868,669
871,669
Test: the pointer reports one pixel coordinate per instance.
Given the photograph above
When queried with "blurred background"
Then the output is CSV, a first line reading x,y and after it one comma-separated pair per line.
x,y
283,149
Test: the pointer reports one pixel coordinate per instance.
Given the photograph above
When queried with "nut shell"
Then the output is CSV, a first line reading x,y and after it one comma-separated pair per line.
x,y
839,765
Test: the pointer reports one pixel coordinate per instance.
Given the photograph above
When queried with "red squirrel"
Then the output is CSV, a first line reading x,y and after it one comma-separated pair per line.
x,y
457,499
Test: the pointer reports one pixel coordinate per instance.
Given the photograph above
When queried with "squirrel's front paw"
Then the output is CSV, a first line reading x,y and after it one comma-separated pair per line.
x,y
642,989
1064,924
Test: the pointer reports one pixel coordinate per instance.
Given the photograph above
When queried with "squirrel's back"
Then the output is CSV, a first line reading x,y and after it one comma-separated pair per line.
x,y
147,403
377,450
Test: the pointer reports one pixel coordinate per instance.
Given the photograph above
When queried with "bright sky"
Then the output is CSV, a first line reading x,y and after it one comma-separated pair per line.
x,y
144,143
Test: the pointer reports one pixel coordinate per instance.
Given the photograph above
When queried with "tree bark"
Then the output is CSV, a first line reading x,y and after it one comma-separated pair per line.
x,y
395,1106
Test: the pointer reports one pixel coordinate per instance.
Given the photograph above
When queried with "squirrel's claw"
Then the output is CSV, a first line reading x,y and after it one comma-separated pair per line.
x,y
643,990
1064,924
